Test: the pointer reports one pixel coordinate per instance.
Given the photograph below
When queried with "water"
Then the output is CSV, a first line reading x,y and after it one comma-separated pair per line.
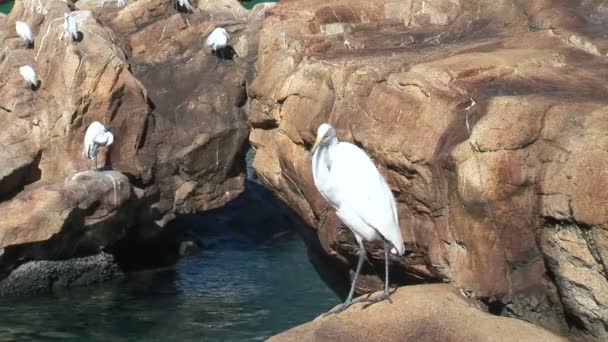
x,y
6,7
249,4
247,284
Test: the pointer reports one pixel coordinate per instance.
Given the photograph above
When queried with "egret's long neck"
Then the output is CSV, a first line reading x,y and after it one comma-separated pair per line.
x,y
321,161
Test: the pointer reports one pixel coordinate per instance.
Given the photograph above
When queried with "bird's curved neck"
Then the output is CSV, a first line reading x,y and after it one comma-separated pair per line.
x,y
321,157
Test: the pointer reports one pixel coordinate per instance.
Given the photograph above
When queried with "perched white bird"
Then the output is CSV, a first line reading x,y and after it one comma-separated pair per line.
x,y
71,26
97,135
185,4
29,75
347,179
218,39
25,32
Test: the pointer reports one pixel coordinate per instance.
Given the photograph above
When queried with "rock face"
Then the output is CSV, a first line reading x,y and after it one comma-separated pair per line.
x,y
177,113
426,313
487,118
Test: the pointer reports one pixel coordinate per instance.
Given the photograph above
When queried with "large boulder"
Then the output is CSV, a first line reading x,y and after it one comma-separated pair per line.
x,y
418,313
177,113
487,118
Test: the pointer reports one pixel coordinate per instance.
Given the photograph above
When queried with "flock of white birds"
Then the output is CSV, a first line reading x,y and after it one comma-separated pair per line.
x,y
339,170
97,134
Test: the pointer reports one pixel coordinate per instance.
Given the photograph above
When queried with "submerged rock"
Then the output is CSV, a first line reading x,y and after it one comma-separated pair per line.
x,y
45,275
488,119
418,313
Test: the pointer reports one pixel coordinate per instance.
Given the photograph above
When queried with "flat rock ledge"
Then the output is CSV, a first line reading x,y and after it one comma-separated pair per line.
x,y
436,312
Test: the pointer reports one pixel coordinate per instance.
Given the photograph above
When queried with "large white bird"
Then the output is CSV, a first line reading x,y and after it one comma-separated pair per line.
x,y
97,135
218,39
25,32
348,179
71,26
185,4
29,75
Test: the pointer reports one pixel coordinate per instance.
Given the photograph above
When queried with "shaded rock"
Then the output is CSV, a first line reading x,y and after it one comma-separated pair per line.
x,y
43,275
490,134
418,313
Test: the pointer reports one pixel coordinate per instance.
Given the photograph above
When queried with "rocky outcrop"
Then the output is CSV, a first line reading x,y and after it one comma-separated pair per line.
x,y
177,113
44,275
426,313
488,120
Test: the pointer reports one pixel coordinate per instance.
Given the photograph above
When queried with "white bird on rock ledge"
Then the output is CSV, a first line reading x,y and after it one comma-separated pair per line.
x,y
97,135
218,39
347,179
185,5
71,26
29,75
25,32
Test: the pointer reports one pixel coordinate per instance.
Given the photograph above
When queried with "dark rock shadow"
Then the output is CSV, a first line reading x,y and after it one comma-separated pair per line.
x,y
227,53
181,9
36,86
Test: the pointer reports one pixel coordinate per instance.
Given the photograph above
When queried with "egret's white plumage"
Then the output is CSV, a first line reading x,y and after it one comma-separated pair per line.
x,y
96,135
25,32
348,179
185,4
29,75
71,26
218,39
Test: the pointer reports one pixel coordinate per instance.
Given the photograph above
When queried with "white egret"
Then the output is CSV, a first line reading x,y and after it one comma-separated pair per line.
x,y
218,39
185,4
97,135
347,179
25,32
71,26
29,75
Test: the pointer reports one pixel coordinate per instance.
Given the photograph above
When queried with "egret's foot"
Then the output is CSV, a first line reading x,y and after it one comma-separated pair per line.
x,y
338,309
371,301
345,306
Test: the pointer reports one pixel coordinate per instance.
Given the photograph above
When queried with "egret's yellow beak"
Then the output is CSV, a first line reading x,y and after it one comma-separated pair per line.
x,y
316,144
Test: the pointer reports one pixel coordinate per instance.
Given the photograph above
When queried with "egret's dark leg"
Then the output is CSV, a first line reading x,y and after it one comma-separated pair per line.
x,y
95,169
386,295
349,300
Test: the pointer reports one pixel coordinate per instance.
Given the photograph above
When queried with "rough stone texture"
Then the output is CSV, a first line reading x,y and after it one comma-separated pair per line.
x,y
488,119
425,313
177,114
90,201
42,276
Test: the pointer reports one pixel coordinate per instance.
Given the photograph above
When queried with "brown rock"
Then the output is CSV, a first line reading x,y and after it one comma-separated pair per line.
x,y
491,136
37,214
418,313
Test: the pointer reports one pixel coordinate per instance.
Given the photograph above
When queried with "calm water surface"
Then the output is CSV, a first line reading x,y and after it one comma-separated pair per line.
x,y
6,7
245,285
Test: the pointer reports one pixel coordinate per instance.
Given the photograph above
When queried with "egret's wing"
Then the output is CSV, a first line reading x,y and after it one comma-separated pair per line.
x,y
356,182
94,129
214,38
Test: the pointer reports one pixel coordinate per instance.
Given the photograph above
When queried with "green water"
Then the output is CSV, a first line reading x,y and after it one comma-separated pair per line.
x,y
246,285
251,3
6,7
